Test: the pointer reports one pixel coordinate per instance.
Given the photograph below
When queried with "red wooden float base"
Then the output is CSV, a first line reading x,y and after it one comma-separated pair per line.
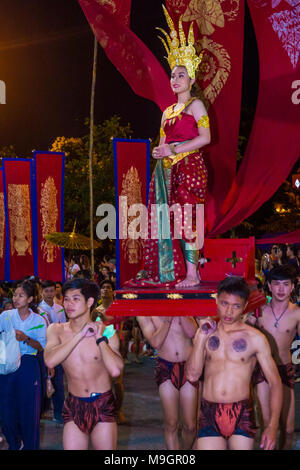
x,y
175,302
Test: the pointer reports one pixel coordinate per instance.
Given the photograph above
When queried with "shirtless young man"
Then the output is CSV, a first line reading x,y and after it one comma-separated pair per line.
x,y
228,353
280,321
89,360
172,337
107,294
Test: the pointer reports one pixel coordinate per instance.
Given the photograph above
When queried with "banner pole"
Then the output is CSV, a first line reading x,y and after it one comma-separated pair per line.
x,y
91,143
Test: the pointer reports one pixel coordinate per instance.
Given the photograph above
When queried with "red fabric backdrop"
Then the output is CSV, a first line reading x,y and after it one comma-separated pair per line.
x,y
2,228
131,181
274,143
18,200
292,237
128,53
273,146
49,168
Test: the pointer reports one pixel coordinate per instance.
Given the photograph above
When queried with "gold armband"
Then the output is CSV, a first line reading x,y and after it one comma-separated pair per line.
x,y
203,122
162,133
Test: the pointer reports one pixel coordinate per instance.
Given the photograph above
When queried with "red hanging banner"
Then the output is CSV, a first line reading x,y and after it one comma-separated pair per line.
x,y
49,171
18,205
127,52
274,142
2,228
131,180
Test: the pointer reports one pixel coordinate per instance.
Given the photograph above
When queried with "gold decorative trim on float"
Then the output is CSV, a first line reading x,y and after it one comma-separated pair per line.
x,y
18,198
129,296
49,213
174,296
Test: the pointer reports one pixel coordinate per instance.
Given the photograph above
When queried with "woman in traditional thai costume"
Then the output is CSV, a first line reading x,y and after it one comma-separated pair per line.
x,y
179,180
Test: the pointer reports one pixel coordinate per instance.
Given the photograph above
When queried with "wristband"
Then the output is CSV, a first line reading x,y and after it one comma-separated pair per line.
x,y
172,148
109,331
99,340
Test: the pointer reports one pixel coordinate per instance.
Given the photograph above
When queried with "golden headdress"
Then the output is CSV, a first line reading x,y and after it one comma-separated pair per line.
x,y
180,53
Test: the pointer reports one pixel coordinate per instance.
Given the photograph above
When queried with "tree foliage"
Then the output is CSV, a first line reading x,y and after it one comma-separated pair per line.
x,y
77,171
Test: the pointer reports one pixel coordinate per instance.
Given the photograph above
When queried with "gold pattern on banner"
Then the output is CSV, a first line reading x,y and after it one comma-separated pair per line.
x,y
210,14
176,6
109,4
49,213
132,189
207,13
214,70
215,66
2,224
18,201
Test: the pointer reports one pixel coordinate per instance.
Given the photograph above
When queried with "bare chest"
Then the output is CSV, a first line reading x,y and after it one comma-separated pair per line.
x,y
86,354
235,348
282,330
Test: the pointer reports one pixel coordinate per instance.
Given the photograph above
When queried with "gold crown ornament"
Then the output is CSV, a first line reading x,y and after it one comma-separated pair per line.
x,y
180,52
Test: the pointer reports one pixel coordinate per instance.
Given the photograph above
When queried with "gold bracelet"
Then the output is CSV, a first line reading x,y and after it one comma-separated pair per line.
x,y
172,148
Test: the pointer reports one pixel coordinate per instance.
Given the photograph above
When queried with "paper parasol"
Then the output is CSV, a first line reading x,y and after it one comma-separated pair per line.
x,y
71,240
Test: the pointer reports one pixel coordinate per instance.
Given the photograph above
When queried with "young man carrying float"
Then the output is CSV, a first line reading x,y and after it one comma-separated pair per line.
x,y
280,321
107,289
228,353
90,360
172,337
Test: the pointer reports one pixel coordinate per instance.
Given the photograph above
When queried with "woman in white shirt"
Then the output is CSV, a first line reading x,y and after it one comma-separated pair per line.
x,y
20,394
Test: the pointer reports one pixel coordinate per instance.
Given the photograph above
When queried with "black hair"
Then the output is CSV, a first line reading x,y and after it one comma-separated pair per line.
x,y
83,273
107,281
30,290
282,273
87,288
284,258
48,283
59,282
293,248
234,285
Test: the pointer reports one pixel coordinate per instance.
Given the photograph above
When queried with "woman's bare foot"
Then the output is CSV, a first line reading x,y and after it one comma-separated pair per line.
x,y
192,276
188,282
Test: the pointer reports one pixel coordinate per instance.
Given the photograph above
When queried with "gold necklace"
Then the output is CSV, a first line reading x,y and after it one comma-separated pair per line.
x,y
170,112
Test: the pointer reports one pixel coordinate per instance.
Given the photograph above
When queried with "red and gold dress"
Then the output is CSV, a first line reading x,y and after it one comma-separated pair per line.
x,y
176,181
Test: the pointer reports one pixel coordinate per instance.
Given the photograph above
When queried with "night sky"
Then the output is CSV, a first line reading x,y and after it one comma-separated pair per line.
x,y
46,53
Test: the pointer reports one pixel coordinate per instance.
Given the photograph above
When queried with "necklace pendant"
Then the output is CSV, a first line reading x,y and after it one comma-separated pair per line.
x,y
276,324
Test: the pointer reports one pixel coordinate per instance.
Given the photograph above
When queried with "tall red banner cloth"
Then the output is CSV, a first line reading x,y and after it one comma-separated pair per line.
x,y
127,52
274,142
2,228
49,172
19,208
292,237
131,159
